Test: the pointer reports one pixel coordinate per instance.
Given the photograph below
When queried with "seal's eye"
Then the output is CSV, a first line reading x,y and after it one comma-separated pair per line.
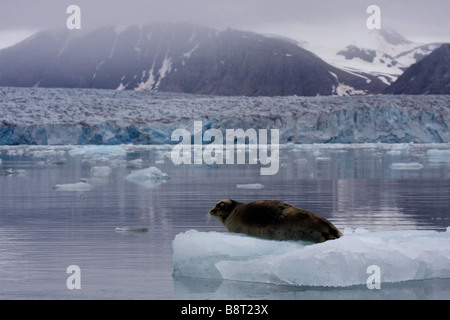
x,y
222,205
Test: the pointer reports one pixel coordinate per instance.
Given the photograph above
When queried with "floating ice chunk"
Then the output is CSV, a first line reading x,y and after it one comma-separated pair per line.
x,y
301,161
95,181
102,171
15,152
250,186
12,172
401,147
51,152
116,163
6,172
435,155
132,229
149,177
398,149
97,151
79,186
400,255
323,158
135,163
406,166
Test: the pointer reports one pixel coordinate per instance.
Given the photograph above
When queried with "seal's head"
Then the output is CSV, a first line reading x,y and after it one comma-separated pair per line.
x,y
222,209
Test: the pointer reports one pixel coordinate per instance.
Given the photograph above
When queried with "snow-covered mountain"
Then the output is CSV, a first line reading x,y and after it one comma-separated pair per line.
x,y
176,58
431,75
382,53
408,58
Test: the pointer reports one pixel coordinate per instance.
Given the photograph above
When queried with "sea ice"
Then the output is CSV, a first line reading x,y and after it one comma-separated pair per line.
x,y
400,256
78,186
101,171
100,151
149,177
11,172
99,177
50,152
6,172
436,155
137,163
132,229
250,186
406,166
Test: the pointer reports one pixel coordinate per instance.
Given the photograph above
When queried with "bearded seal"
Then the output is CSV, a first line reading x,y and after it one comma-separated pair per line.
x,y
274,220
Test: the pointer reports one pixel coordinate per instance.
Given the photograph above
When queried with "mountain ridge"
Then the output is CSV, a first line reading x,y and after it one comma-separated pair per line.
x,y
176,58
431,75
187,58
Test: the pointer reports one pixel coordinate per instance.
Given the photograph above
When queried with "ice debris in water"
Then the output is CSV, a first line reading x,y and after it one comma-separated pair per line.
x,y
78,186
400,255
11,172
250,186
406,166
99,177
137,163
149,177
101,171
100,151
435,155
132,229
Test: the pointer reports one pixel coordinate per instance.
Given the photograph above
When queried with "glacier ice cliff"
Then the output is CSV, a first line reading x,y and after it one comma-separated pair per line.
x,y
80,116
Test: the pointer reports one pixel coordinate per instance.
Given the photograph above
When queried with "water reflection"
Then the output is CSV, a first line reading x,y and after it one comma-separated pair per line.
x,y
189,288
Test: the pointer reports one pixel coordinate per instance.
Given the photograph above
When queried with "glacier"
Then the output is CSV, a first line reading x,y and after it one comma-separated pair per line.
x,y
405,255
38,116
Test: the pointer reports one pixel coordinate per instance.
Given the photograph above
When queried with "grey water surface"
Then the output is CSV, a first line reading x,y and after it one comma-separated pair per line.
x,y
45,229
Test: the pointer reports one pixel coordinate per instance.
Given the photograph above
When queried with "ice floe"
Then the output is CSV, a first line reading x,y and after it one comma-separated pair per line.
x,y
100,151
132,229
101,171
436,155
11,172
149,177
406,166
399,255
250,186
78,187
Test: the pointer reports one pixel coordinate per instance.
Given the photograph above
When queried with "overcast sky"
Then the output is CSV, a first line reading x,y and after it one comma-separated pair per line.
x,y
319,20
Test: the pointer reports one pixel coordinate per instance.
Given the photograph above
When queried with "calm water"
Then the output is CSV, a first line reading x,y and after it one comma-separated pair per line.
x,y
44,230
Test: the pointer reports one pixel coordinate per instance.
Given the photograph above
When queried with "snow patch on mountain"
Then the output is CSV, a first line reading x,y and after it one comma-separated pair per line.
x,y
190,52
345,90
